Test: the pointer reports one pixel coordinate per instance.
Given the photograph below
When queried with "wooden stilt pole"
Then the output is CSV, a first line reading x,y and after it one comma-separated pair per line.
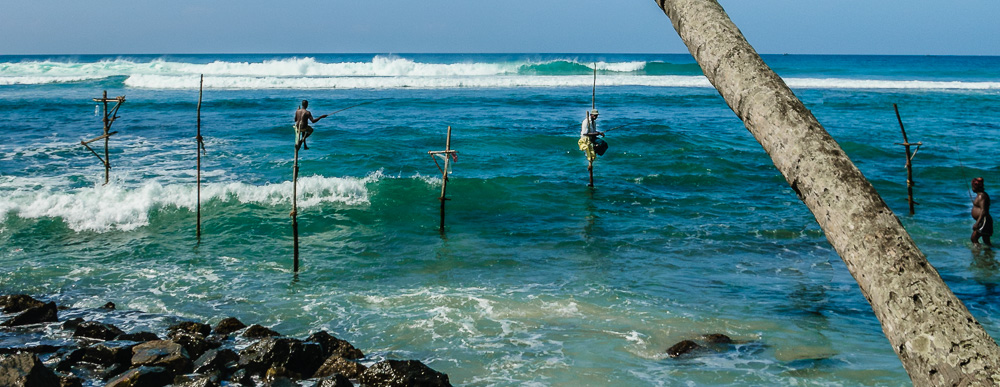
x,y
449,154
198,150
108,120
295,223
909,164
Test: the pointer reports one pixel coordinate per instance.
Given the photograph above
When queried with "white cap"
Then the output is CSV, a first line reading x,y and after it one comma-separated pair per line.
x,y
594,112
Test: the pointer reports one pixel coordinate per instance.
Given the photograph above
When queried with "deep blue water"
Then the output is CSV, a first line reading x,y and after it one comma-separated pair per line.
x,y
538,279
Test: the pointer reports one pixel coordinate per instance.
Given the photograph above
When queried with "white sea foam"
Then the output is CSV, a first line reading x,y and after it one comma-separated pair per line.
x,y
389,72
115,207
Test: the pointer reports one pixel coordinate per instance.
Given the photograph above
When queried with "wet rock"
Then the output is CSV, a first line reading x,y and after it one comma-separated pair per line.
x,y
256,331
43,348
143,377
717,338
279,381
109,306
162,353
70,381
190,327
96,330
67,362
18,303
229,325
25,370
334,346
215,360
72,323
138,336
338,365
402,373
113,371
682,348
241,378
34,315
108,353
335,380
196,381
300,359
195,344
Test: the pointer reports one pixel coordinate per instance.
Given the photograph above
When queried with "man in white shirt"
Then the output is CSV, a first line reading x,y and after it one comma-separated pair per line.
x,y
588,132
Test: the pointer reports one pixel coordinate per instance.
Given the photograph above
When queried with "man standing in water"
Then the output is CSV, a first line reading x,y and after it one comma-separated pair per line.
x,y
981,213
302,120
588,133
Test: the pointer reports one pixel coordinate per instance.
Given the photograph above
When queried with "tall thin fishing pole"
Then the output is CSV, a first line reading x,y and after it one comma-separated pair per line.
x,y
200,147
909,158
295,223
593,93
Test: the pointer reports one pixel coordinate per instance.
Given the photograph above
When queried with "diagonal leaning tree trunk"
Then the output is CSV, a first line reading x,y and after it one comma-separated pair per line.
x,y
935,336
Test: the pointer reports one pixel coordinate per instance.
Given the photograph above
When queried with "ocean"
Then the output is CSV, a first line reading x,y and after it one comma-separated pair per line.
x,y
537,279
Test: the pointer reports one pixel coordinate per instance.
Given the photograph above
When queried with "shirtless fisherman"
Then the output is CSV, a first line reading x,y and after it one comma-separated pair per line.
x,y
981,213
588,133
302,120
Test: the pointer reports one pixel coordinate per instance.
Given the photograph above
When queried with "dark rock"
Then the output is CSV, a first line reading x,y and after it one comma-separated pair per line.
x,y
96,330
70,360
335,380
108,353
280,381
338,365
109,306
138,336
25,370
72,323
258,332
300,359
113,371
242,378
162,353
215,360
334,346
717,338
193,343
143,377
191,327
70,381
196,381
43,348
229,325
402,373
18,303
683,347
34,315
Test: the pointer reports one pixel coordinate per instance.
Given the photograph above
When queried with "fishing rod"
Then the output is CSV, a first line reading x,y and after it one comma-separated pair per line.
x,y
622,126
354,106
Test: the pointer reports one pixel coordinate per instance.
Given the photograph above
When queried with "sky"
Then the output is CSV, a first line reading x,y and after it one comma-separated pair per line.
x,y
891,27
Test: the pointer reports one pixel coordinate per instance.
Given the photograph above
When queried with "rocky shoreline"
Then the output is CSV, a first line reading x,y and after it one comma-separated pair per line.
x,y
49,351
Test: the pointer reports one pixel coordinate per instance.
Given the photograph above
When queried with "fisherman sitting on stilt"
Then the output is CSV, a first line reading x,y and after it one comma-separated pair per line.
x,y
302,119
588,137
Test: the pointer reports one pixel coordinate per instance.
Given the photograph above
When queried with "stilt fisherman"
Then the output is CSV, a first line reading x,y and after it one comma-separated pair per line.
x,y
588,138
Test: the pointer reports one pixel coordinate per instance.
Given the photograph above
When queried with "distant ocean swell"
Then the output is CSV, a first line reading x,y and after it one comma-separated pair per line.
x,y
399,73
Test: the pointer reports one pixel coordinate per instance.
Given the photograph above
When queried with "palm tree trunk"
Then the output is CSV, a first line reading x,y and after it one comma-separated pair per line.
x,y
935,336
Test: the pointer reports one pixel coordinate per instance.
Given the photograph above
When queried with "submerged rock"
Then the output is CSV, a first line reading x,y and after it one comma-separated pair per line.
x,y
403,373
34,315
683,348
25,370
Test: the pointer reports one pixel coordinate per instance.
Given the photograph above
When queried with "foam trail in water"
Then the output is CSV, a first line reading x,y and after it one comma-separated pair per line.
x,y
114,207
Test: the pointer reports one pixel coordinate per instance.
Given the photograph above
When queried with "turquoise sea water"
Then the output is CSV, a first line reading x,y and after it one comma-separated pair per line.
x,y
538,279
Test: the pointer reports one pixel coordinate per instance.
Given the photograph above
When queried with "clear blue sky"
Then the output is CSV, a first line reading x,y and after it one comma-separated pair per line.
x,y
920,27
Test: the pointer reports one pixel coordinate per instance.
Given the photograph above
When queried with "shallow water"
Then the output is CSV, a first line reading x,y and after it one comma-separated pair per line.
x,y
538,280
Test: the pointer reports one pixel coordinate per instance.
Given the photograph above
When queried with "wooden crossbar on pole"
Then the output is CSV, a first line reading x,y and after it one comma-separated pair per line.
x,y
449,155
109,118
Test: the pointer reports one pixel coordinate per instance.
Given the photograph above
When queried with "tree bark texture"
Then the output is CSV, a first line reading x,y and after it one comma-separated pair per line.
x,y
937,339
